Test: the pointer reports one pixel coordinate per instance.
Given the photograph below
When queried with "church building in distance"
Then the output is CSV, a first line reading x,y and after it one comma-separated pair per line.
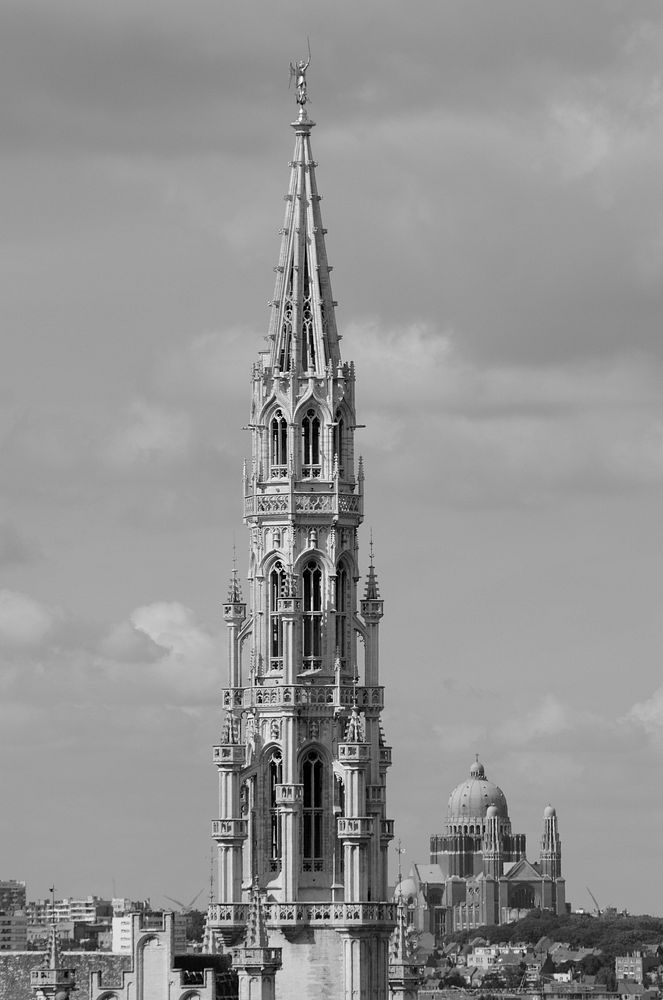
x,y
478,872
302,831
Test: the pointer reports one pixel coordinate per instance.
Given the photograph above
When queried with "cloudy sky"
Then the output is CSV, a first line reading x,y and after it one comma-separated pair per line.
x,y
492,187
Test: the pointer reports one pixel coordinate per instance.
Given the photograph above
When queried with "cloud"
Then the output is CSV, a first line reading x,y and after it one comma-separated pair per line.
x,y
150,433
24,622
14,547
647,715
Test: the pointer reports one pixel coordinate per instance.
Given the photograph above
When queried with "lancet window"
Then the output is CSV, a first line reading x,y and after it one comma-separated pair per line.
x,y
339,443
313,811
312,621
342,610
278,445
308,337
276,590
311,445
275,778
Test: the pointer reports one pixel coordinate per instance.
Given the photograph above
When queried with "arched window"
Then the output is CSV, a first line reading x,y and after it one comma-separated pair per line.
x,y
276,590
278,445
312,624
275,778
339,442
312,815
311,445
342,609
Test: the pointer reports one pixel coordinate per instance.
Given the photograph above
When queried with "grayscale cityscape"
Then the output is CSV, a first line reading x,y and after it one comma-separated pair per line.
x,y
330,628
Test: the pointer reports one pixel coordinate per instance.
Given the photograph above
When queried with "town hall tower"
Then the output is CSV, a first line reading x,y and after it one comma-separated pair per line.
x,y
302,758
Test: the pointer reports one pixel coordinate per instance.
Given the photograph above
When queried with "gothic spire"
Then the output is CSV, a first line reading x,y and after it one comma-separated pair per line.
x,y
256,926
302,327
234,587
372,588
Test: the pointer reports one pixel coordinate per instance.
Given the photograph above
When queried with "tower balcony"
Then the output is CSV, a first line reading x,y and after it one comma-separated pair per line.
x,y
234,613
229,755
289,795
385,757
354,753
232,917
346,506
355,827
257,958
283,695
229,830
386,829
52,979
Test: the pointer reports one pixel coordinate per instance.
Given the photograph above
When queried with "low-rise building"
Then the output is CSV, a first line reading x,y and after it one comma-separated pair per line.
x,y
13,930
12,895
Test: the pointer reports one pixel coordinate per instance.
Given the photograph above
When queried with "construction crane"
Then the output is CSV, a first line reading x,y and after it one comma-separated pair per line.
x,y
184,907
595,901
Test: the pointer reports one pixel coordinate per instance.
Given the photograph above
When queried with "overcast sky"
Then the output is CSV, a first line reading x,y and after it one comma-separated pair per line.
x,y
492,181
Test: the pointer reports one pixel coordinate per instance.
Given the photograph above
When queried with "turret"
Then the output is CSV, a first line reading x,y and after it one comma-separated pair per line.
x,y
53,980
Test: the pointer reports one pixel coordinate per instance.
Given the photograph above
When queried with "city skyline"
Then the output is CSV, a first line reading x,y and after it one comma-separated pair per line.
x,y
491,185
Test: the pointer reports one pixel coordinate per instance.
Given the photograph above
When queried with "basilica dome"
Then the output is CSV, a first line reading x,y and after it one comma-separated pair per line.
x,y
469,802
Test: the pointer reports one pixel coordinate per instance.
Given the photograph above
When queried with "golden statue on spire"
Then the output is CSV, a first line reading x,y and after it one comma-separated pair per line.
x,y
298,73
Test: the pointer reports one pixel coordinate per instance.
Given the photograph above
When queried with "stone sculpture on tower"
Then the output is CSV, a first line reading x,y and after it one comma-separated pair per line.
x,y
302,758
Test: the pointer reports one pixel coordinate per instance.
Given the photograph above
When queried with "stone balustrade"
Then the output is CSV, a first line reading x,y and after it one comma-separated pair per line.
x,y
229,755
304,694
318,502
355,827
229,829
296,914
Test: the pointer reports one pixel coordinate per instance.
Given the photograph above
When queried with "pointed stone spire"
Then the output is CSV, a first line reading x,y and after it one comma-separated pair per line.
x,y
372,606
210,944
53,979
372,588
302,328
234,610
234,587
53,949
404,971
256,926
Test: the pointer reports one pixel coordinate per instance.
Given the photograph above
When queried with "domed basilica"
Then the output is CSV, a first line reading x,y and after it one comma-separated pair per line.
x,y
478,872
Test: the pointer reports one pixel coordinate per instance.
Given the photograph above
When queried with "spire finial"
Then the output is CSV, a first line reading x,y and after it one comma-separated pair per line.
x,y
298,72
234,590
372,588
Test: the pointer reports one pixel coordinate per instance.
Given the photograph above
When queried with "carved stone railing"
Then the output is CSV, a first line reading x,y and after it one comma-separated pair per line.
x,y
230,829
354,753
317,502
229,755
304,694
289,795
385,756
297,914
387,829
355,827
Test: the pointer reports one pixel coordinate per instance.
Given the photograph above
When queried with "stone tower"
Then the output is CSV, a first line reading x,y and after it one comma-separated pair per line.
x,y
302,758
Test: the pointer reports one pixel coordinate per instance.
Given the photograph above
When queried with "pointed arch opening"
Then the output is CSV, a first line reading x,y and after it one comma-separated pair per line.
x,y
275,772
277,579
339,443
312,615
312,778
278,446
343,610
311,461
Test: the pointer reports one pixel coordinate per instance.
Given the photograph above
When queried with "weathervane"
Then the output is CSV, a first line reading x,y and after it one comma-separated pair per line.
x,y
298,72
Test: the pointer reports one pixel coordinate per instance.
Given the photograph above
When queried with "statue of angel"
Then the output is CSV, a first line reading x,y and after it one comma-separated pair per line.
x,y
298,72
